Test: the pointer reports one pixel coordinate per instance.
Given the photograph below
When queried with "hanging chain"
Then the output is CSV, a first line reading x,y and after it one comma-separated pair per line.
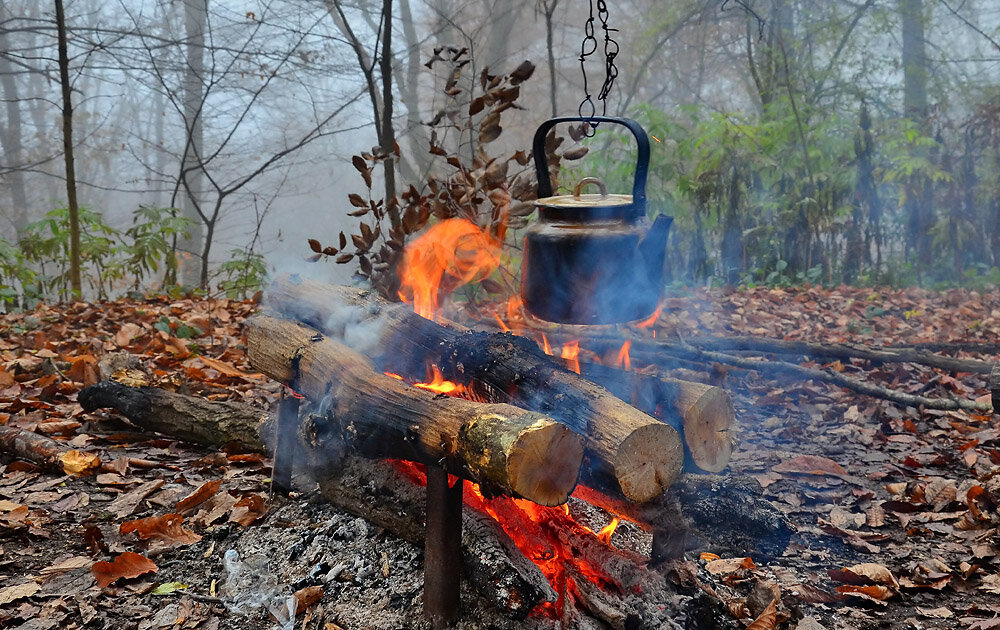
x,y
588,47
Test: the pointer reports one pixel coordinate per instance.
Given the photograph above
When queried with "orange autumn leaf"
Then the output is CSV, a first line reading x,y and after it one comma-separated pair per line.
x,y
873,592
767,619
199,496
127,565
83,369
248,509
222,368
167,528
725,566
810,465
79,464
306,597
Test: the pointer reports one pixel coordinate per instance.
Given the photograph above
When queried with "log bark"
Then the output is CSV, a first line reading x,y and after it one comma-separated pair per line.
x,y
47,453
702,413
995,387
178,415
505,449
628,451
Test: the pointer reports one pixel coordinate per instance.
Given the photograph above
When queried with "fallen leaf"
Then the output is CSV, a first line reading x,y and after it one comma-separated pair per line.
x,y
167,528
875,592
79,464
810,465
199,496
168,587
222,368
936,613
127,565
306,597
248,509
126,503
767,619
865,573
69,564
725,566
19,591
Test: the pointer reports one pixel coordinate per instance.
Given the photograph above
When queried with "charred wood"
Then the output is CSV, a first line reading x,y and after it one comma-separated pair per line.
x,y
505,449
45,452
628,451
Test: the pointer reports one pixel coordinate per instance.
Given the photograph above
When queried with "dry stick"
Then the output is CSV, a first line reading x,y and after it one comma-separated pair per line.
x,y
503,448
828,376
833,351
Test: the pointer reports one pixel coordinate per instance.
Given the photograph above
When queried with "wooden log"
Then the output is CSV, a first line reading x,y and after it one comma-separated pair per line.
x,y
995,388
177,415
48,453
702,413
628,451
505,449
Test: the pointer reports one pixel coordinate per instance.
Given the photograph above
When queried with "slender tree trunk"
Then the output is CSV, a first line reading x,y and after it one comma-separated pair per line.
x,y
67,121
11,136
388,133
548,9
917,207
192,173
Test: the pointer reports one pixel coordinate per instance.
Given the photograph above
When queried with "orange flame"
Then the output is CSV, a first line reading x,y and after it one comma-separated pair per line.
x,y
623,360
546,348
439,384
450,254
571,352
607,530
504,327
649,321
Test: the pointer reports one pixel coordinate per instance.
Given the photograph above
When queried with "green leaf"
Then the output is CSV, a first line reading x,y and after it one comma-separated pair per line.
x,y
169,587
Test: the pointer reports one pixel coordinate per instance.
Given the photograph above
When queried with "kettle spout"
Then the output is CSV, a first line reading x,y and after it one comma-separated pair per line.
x,y
653,250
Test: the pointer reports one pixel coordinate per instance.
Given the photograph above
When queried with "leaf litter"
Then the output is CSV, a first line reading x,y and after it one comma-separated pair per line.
x,y
896,508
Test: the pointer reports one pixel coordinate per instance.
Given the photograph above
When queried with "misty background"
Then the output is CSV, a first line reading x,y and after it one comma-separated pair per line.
x,y
811,140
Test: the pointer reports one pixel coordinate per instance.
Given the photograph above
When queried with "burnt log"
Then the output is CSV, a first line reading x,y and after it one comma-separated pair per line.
x,y
703,414
505,449
628,451
178,415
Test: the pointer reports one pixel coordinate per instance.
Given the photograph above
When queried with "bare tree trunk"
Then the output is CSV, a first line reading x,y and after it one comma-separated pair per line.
x,y
11,135
388,133
917,207
67,121
192,173
548,9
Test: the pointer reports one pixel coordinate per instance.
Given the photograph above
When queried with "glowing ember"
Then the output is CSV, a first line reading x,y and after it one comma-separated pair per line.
x,y
503,326
571,352
450,254
623,360
439,384
395,376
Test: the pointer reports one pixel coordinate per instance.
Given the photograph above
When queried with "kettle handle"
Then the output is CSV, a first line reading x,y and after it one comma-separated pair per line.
x,y
642,161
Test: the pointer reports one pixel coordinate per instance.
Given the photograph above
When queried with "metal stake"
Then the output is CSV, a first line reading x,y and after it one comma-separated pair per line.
x,y
284,443
442,548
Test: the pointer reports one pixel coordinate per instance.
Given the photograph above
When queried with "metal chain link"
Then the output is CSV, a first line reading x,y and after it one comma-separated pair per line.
x,y
588,47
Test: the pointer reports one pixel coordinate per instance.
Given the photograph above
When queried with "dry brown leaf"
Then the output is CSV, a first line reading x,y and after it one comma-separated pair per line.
x,y
18,591
167,528
199,496
725,566
865,573
14,518
935,613
248,509
873,592
69,564
222,368
306,597
79,464
810,465
127,565
767,619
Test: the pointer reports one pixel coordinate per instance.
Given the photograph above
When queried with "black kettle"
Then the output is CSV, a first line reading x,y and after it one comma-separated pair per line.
x,y
593,258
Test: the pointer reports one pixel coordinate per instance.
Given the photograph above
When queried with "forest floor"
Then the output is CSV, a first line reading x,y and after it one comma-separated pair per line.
x,y
910,495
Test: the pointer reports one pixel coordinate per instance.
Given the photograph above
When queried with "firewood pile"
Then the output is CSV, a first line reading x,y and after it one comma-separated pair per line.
x,y
523,427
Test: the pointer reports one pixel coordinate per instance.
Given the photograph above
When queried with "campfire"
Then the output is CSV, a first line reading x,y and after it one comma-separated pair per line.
x,y
525,425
